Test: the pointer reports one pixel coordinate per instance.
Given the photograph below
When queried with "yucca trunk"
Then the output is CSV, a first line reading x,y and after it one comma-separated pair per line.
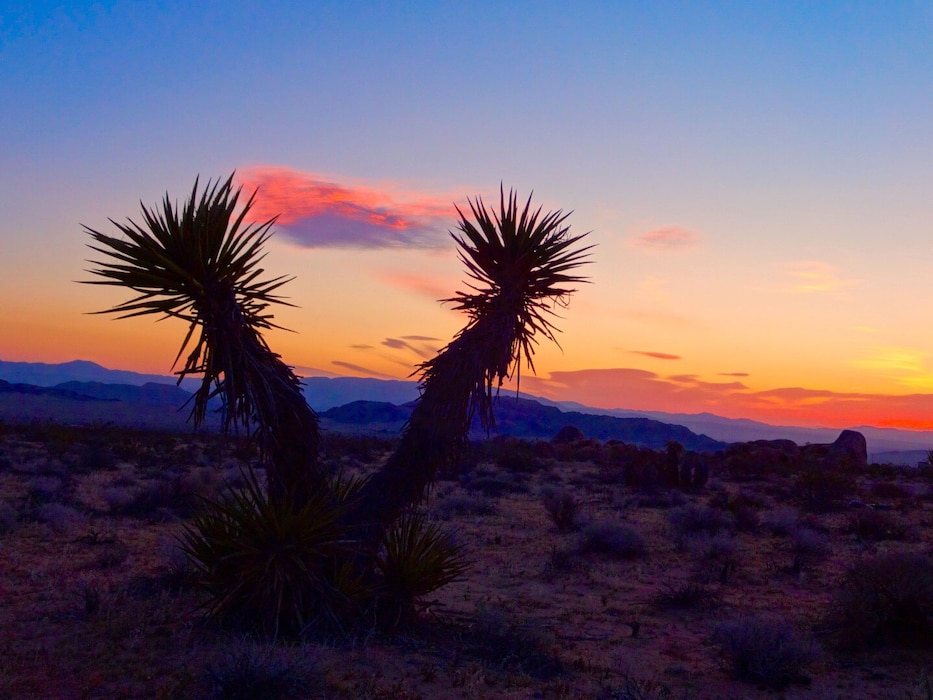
x,y
456,385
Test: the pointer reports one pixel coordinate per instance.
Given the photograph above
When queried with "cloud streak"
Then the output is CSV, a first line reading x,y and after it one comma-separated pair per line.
x,y
655,355
637,389
315,211
666,239
813,277
434,288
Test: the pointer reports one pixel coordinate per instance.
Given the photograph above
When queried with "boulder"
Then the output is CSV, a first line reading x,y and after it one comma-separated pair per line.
x,y
850,447
568,434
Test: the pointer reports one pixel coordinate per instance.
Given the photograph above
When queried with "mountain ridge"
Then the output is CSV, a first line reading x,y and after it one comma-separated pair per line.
x,y
324,393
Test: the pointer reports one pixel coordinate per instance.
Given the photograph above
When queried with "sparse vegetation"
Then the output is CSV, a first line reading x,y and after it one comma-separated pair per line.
x,y
612,539
123,597
764,650
562,508
886,599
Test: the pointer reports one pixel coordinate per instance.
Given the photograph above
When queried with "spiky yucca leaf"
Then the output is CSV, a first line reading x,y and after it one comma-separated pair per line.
x,y
417,557
200,263
520,262
273,566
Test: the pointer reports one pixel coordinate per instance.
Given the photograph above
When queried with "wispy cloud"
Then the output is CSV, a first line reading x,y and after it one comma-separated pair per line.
x,y
666,239
813,277
733,374
637,389
421,349
655,355
907,366
317,211
359,369
433,287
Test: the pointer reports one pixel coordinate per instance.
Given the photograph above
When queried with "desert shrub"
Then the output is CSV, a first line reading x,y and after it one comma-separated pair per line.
x,y
634,688
720,547
746,519
562,508
823,488
462,504
417,558
495,485
645,469
94,455
782,521
110,555
270,567
561,561
886,599
764,650
515,455
57,516
922,688
9,518
872,525
613,539
809,546
743,506
514,645
694,518
117,498
252,671
181,495
660,499
685,594
890,489
45,489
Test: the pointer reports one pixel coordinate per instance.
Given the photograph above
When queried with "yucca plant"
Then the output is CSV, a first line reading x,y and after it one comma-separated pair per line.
x,y
520,264
200,263
417,557
307,547
272,566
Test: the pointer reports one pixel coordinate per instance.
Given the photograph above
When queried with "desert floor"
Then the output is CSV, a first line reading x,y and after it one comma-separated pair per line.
x,y
646,593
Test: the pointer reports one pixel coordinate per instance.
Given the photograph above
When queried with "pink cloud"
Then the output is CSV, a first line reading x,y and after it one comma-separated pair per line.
x,y
314,211
666,239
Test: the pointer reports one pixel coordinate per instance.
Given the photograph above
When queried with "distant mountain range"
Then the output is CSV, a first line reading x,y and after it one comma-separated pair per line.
x,y
160,393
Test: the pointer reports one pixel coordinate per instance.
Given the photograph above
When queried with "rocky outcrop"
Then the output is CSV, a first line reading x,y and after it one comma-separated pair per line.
x,y
849,448
568,434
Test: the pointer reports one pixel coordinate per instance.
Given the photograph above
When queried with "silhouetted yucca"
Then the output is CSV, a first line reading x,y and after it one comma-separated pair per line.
x,y
417,558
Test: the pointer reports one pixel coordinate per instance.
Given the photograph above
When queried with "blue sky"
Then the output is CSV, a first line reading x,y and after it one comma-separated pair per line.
x,y
756,175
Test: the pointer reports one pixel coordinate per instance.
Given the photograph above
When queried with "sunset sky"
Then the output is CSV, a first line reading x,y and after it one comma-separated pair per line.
x,y
757,178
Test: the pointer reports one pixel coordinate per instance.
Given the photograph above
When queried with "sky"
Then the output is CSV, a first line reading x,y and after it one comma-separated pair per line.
x,y
757,178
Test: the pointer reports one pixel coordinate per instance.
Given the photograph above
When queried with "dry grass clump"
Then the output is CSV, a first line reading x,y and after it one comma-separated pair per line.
x,y
886,599
562,508
694,519
764,650
612,539
686,594
870,525
250,670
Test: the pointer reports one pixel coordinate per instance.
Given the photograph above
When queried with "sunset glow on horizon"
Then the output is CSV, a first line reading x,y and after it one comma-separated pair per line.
x,y
756,180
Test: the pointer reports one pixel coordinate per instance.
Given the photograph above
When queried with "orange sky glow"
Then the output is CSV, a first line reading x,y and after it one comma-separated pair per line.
x,y
758,196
